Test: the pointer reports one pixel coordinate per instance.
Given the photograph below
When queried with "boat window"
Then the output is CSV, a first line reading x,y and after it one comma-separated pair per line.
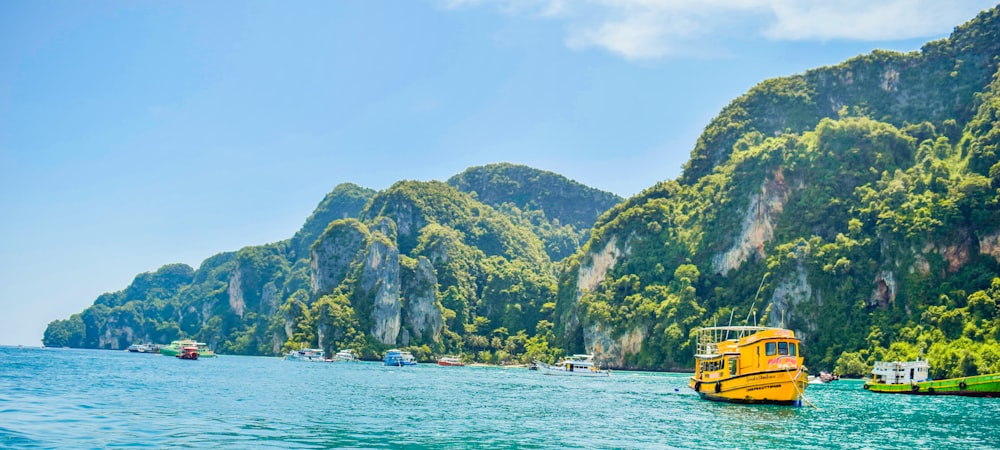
x,y
769,349
792,349
782,348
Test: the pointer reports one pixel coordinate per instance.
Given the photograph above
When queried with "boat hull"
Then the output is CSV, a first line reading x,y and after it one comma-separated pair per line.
x,y
175,349
975,386
546,369
777,388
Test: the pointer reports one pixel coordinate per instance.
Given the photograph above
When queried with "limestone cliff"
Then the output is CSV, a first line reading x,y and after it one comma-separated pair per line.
x,y
422,313
759,220
380,284
334,252
609,351
589,276
989,244
236,302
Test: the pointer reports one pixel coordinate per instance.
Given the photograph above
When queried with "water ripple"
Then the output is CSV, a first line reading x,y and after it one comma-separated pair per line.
x,y
95,399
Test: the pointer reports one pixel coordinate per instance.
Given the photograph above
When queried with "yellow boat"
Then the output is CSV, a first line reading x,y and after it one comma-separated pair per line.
x,y
749,364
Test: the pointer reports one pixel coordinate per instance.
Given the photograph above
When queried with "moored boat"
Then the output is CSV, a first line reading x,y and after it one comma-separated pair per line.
x,y
449,361
577,365
396,357
913,377
823,377
188,352
305,355
346,355
143,348
749,364
176,347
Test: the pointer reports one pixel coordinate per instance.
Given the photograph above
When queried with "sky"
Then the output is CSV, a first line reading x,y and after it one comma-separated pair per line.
x,y
140,133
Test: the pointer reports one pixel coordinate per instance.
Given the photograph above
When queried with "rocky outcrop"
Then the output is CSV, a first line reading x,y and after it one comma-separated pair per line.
x,y
236,302
884,292
590,276
609,351
422,313
270,297
380,285
989,244
759,220
789,292
333,254
955,254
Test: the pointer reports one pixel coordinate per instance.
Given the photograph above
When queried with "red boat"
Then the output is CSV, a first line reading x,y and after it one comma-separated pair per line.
x,y
450,361
188,353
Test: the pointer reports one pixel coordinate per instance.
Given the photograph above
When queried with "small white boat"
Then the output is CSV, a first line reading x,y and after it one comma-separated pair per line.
x,y
346,355
449,361
143,348
576,365
305,355
396,357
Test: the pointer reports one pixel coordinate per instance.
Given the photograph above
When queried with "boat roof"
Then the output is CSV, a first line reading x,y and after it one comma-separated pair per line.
x,y
709,338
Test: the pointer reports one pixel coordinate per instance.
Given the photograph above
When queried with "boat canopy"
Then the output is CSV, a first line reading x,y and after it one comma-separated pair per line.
x,y
709,338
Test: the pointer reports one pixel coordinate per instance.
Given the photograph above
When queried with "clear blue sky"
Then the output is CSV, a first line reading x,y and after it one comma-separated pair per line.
x,y
139,133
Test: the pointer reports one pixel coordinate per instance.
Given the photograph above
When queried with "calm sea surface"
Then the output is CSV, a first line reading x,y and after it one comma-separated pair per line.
x,y
59,398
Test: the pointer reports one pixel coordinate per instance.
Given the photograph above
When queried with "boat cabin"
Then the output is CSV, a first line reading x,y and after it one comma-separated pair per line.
x,y
726,352
579,362
901,372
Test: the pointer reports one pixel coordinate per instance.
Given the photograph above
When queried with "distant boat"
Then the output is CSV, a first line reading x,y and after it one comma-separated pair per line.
x,y
450,361
143,348
305,355
577,365
823,377
749,364
912,377
396,357
346,355
188,352
176,347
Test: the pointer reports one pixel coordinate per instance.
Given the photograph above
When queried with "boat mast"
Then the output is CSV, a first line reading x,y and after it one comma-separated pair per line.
x,y
755,300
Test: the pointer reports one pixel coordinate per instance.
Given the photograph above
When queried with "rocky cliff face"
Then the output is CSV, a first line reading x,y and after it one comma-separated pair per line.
x,y
609,351
422,313
380,281
236,302
989,244
589,276
759,220
789,292
334,252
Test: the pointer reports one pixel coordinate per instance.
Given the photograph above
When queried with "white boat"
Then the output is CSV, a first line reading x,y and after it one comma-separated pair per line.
x,y
449,361
143,348
576,365
346,355
396,357
305,355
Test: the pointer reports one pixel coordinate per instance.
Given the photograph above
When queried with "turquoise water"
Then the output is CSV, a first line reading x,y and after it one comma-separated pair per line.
x,y
59,398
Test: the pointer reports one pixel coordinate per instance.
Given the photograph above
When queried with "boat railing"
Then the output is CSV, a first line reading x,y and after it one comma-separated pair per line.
x,y
708,338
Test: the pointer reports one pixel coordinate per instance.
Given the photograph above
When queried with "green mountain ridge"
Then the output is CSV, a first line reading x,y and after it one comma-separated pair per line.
x,y
362,272
858,204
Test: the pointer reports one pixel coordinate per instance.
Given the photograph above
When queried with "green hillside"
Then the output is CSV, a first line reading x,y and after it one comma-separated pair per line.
x,y
420,265
856,204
